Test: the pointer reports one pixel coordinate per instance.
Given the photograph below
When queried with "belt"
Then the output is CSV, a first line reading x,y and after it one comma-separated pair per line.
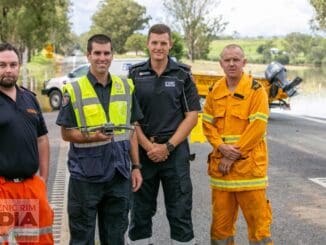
x,y
160,139
16,180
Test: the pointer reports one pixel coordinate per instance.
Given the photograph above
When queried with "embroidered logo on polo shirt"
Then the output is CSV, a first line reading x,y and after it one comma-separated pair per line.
x,y
144,73
31,110
170,84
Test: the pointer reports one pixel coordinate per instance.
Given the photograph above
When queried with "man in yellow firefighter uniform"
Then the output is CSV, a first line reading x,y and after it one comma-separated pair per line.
x,y
234,122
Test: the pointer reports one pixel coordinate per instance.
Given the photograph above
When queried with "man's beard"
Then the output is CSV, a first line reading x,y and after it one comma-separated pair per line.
x,y
8,82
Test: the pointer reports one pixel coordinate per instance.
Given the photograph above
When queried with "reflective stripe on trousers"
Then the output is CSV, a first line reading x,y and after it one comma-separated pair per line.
x,y
227,241
30,232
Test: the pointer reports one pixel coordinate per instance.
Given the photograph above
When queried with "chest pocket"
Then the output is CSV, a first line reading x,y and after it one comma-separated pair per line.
x,y
240,110
219,111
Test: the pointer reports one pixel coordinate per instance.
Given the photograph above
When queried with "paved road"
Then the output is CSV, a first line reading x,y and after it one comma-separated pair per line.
x,y
297,153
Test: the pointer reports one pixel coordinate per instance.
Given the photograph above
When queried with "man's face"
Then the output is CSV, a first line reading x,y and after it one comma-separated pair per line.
x,y
232,62
159,46
9,68
100,58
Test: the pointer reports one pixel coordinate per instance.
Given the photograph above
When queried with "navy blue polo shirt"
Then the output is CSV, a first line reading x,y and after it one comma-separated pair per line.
x,y
21,123
164,99
98,164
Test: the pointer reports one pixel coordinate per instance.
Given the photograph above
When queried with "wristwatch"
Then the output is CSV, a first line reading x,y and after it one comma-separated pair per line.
x,y
136,166
170,146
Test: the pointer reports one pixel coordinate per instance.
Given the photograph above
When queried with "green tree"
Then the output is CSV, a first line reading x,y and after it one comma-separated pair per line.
x,y
177,48
265,50
136,42
320,8
297,45
31,24
119,19
317,51
196,22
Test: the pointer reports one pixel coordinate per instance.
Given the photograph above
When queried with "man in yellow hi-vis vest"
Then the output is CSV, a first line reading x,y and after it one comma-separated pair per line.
x,y
234,122
100,165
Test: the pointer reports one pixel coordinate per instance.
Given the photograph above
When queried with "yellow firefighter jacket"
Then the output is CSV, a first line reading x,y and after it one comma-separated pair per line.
x,y
238,118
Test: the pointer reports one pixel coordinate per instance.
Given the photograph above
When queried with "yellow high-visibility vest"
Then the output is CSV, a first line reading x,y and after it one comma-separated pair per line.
x,y
89,111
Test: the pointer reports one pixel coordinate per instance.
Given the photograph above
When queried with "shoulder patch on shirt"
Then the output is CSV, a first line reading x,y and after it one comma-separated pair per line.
x,y
31,110
255,85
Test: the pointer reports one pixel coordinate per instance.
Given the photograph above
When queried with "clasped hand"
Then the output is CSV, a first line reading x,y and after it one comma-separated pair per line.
x,y
230,154
158,153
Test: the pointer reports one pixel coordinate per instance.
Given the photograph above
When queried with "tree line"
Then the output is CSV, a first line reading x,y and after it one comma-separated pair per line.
x,y
31,24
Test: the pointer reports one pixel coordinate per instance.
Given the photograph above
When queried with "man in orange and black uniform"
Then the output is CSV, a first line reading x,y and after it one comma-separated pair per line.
x,y
24,148
234,122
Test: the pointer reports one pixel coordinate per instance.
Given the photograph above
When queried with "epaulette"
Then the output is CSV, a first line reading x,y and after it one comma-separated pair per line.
x,y
185,67
255,85
134,66
26,89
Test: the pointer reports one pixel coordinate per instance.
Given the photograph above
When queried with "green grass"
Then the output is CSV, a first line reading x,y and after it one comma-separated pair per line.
x,y
249,46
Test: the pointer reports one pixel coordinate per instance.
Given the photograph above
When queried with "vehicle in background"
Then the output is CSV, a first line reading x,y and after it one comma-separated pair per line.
x,y
53,87
275,82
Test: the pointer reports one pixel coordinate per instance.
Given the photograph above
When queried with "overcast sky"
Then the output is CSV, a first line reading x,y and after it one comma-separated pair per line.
x,y
248,18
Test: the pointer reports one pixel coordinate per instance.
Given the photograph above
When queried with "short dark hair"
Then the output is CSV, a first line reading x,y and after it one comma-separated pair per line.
x,y
9,47
98,38
159,29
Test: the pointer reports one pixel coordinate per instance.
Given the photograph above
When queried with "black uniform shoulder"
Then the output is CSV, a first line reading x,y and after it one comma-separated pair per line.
x,y
185,67
27,90
136,66
255,85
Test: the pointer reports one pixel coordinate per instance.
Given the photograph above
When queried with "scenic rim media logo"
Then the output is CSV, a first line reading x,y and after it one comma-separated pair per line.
x,y
19,220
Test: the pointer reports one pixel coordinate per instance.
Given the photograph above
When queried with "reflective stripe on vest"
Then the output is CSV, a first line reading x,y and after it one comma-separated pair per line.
x,y
89,111
258,116
10,237
231,184
231,139
208,118
225,241
265,241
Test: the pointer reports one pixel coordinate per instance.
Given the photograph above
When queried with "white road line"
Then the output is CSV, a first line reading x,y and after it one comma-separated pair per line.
x,y
319,181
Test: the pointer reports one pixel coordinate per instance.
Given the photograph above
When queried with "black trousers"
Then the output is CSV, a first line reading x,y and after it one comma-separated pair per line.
x,y
110,201
174,174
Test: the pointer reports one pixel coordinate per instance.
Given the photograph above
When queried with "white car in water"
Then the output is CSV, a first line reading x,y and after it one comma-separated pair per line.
x,y
53,87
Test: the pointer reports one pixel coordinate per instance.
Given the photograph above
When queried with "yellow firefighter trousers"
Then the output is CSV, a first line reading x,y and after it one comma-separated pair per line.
x,y
255,208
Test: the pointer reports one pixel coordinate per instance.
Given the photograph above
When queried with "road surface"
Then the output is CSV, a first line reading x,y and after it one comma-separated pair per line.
x,y
297,151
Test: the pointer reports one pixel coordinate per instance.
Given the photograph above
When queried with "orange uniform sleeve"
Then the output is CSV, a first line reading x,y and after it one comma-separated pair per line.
x,y
209,127
258,117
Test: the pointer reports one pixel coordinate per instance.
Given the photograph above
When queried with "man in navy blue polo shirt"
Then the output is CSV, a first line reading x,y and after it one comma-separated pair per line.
x,y
169,101
100,164
24,149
